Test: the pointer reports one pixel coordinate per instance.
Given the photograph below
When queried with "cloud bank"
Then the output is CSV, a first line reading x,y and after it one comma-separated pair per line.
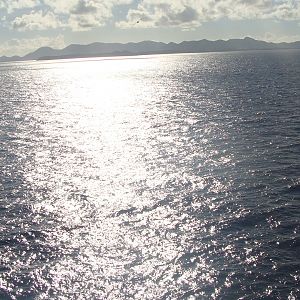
x,y
83,15
77,15
191,13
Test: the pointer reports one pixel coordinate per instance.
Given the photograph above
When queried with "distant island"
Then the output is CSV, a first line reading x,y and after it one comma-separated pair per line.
x,y
149,47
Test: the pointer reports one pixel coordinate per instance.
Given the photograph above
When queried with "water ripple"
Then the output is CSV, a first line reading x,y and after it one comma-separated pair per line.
x,y
172,177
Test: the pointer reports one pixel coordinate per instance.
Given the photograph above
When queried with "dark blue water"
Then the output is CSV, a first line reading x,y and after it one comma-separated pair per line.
x,y
163,177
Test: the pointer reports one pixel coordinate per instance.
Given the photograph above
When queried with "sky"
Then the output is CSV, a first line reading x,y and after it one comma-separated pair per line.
x,y
26,25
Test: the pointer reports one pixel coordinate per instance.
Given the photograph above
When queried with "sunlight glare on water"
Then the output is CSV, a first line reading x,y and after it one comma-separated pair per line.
x,y
98,162
149,178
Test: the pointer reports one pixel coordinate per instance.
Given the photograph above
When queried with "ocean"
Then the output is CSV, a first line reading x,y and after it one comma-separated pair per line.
x,y
151,177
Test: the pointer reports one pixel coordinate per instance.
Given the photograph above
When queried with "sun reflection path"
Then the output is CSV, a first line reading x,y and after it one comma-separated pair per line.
x,y
98,162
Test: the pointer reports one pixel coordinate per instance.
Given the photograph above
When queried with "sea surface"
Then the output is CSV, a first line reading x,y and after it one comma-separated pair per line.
x,y
151,177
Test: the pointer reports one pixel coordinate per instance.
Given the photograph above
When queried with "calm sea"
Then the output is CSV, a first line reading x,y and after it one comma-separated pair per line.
x,y
160,177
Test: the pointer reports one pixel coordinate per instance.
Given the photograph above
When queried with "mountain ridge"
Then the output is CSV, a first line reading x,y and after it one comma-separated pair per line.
x,y
98,49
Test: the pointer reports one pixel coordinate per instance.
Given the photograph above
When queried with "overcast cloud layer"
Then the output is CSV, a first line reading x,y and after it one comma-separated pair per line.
x,y
41,16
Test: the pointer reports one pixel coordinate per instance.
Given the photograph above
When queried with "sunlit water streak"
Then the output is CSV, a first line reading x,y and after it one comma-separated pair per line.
x,y
167,177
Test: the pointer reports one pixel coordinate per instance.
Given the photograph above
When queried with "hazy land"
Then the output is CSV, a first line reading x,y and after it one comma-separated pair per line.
x,y
149,47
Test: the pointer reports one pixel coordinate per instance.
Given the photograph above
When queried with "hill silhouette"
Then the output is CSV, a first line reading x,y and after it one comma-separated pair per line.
x,y
149,47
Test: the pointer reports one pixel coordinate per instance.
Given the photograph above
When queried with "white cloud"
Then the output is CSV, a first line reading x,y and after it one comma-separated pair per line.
x,y
89,14
78,15
84,22
288,10
191,13
13,5
278,38
24,46
85,14
36,21
60,6
162,14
